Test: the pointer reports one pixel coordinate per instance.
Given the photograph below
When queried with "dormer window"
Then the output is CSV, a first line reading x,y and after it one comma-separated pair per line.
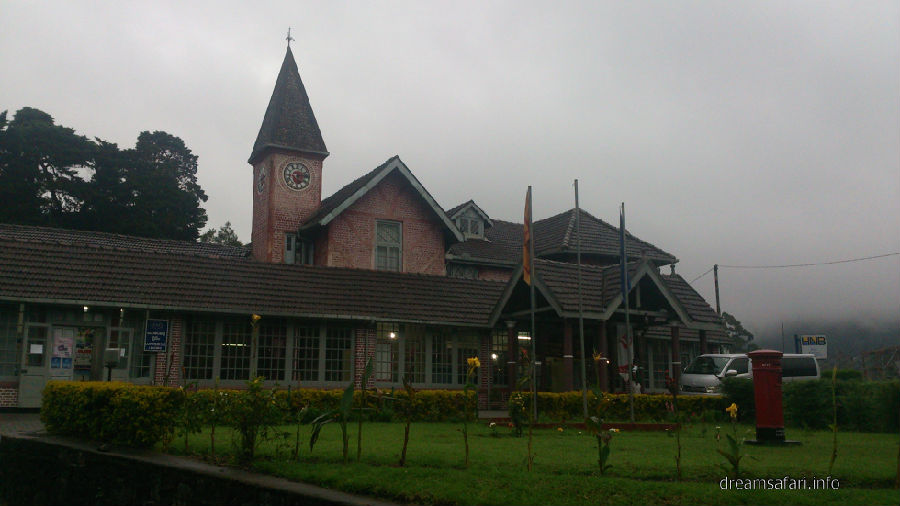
x,y
470,224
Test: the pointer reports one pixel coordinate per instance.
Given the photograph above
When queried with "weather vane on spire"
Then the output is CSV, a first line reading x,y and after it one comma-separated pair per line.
x,y
289,38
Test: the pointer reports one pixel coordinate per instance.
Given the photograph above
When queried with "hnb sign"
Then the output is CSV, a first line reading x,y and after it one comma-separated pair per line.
x,y
156,336
815,344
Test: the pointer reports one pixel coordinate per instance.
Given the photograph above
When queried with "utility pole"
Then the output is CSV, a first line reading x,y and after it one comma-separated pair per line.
x,y
716,278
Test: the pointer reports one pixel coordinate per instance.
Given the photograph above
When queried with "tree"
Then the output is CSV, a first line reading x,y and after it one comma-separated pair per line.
x,y
40,166
164,186
736,331
225,235
150,190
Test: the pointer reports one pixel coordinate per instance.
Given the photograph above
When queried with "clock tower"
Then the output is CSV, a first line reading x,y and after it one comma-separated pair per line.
x,y
287,166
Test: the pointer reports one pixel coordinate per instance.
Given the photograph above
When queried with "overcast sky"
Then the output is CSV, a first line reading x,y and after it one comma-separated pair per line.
x,y
738,133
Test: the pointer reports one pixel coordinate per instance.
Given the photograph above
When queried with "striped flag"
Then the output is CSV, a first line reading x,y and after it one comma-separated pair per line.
x,y
526,243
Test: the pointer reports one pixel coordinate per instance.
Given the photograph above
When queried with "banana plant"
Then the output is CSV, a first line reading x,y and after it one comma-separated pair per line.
x,y
367,373
341,415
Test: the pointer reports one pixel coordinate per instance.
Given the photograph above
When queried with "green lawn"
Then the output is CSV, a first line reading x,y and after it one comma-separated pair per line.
x,y
566,471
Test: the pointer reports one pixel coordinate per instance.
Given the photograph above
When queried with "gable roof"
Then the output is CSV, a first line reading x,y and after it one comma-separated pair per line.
x,y
466,205
342,199
503,242
289,122
601,292
103,240
80,274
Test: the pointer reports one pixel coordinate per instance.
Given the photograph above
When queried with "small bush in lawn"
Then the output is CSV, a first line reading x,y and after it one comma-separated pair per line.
x,y
252,412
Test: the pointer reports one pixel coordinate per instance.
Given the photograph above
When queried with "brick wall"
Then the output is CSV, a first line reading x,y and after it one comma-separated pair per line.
x,y
364,350
279,209
494,274
9,395
176,326
351,236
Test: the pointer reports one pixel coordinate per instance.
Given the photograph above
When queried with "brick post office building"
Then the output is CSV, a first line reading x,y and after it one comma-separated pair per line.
x,y
378,270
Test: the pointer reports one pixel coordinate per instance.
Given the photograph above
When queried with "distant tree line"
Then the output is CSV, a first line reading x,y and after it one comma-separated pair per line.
x,y
50,176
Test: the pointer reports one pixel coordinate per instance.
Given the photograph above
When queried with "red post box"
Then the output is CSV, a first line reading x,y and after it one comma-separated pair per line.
x,y
767,394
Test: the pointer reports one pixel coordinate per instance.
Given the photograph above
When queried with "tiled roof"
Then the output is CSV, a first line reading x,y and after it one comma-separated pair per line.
x,y
103,240
692,301
453,211
553,235
337,198
502,243
718,336
558,233
289,122
78,274
599,286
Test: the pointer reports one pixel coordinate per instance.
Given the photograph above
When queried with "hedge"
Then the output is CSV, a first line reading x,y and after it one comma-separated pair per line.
x,y
865,406
110,411
141,416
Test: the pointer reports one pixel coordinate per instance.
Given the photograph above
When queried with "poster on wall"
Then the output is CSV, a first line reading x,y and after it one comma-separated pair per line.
x,y
84,349
62,352
156,335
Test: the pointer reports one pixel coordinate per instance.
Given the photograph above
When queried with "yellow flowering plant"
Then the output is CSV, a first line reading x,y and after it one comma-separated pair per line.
x,y
733,453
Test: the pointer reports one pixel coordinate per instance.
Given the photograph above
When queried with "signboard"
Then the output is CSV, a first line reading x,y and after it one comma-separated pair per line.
x,y
815,344
156,337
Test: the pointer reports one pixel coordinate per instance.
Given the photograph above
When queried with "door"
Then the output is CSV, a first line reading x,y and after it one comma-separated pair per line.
x,y
34,365
119,340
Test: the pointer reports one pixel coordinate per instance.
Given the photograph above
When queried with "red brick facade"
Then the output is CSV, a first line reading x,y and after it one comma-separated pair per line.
x,y
351,236
9,395
168,365
278,209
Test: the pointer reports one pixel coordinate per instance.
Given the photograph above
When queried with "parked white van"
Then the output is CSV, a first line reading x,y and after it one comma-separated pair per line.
x,y
705,373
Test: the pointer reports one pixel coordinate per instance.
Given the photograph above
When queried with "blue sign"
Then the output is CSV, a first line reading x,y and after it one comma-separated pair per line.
x,y
157,335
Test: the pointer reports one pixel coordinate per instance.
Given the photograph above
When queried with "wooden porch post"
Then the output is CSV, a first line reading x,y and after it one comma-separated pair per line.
x,y
512,359
603,365
568,359
676,356
704,348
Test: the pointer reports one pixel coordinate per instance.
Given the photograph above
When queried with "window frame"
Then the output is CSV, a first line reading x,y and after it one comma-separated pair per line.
x,y
379,244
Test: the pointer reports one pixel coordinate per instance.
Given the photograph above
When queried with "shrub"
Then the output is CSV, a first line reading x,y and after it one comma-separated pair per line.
x,y
740,392
120,413
866,406
848,374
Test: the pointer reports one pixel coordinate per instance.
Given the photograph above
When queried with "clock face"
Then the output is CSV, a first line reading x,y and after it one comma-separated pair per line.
x,y
296,176
261,180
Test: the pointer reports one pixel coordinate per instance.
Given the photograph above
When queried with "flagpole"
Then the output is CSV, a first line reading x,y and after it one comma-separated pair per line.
x,y
584,405
534,399
629,338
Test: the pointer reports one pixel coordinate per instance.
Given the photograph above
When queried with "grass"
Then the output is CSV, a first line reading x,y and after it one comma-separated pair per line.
x,y
566,470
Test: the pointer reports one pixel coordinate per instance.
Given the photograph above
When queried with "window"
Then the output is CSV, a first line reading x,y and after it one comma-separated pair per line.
x,y
499,352
387,352
338,354
739,365
414,354
463,271
236,343
470,224
272,347
388,243
199,349
441,357
290,248
120,338
307,343
466,348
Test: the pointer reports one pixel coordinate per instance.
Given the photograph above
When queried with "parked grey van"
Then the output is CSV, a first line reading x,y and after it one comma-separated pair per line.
x,y
705,373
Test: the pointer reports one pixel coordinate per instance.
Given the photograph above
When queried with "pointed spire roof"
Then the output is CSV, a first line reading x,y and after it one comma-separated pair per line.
x,y
289,122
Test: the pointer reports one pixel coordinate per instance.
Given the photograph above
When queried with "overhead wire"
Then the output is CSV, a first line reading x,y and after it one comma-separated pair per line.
x,y
809,264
